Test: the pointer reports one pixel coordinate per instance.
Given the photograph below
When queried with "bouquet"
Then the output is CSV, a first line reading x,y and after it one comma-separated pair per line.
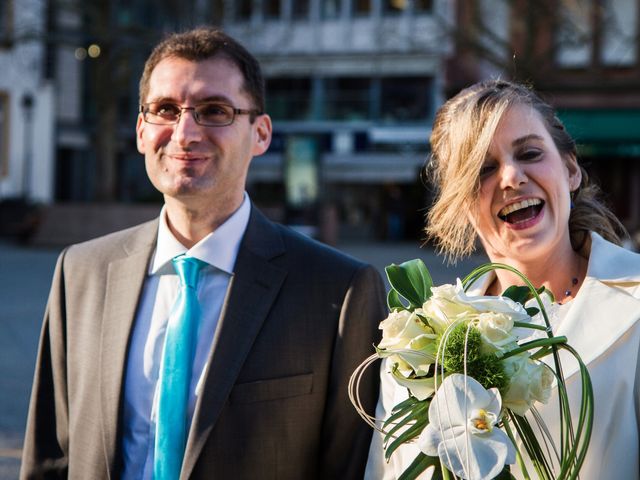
x,y
473,377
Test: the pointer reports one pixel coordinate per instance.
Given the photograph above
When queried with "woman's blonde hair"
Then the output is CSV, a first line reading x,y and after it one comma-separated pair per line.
x,y
462,133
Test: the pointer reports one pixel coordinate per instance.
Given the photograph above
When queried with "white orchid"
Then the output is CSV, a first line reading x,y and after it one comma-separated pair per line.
x,y
463,431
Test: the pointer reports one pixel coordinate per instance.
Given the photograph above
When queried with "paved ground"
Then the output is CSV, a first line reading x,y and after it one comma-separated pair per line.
x,y
25,274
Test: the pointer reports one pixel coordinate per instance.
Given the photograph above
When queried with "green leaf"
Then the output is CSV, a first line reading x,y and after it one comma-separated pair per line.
x,y
393,301
409,434
419,465
517,294
521,294
532,311
411,280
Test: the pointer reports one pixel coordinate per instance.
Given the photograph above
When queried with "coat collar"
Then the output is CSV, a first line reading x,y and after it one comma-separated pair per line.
x,y
611,263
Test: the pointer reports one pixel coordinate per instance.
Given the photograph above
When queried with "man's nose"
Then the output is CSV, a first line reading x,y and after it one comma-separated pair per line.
x,y
187,131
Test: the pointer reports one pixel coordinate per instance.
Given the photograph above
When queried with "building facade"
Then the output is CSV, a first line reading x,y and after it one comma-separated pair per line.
x,y
26,104
352,87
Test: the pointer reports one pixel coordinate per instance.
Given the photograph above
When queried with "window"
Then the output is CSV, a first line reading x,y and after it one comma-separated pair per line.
x,y
4,134
218,11
300,9
271,8
423,6
361,7
243,10
619,33
6,23
407,99
330,8
347,98
289,98
394,6
574,36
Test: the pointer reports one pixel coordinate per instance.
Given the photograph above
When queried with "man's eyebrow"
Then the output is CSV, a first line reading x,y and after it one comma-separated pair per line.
x,y
522,140
213,98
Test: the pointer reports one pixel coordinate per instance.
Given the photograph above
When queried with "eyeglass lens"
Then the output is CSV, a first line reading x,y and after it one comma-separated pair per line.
x,y
208,114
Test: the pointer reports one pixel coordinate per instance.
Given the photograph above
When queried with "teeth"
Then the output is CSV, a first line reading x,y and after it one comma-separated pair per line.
x,y
518,206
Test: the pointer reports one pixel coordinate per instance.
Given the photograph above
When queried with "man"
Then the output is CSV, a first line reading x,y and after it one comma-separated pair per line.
x,y
283,320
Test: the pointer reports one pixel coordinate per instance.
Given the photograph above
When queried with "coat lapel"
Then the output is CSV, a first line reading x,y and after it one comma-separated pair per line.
x,y
252,291
125,278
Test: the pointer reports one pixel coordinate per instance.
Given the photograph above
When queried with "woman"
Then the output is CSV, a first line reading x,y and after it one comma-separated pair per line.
x,y
500,154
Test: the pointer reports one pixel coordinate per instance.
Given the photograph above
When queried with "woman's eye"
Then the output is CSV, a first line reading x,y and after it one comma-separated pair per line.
x,y
528,155
486,170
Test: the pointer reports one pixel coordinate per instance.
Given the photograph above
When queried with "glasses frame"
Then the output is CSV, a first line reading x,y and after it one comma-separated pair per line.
x,y
144,110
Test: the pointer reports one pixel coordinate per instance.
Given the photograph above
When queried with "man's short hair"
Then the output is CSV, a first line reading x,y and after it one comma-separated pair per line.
x,y
202,44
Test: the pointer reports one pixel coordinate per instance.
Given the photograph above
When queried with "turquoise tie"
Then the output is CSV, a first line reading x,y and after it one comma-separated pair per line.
x,y
175,372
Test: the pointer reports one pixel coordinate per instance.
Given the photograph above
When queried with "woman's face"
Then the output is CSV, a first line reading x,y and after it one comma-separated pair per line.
x,y
523,207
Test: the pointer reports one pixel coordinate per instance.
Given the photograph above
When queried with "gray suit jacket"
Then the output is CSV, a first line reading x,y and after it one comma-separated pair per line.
x,y
297,320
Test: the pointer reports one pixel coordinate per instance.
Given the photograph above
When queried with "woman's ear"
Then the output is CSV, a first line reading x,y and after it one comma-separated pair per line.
x,y
575,172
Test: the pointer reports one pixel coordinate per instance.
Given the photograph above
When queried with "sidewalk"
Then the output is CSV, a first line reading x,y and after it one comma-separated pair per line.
x,y
25,276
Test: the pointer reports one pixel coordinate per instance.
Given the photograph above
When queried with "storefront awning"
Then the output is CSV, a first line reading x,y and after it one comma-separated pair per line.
x,y
612,132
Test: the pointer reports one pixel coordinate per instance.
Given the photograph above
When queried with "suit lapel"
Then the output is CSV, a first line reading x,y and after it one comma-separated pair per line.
x,y
125,278
252,291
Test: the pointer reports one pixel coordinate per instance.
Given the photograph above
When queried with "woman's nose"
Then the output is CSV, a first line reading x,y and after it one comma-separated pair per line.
x,y
512,175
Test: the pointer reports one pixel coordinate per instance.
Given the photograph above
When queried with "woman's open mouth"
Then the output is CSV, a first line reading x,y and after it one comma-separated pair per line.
x,y
520,214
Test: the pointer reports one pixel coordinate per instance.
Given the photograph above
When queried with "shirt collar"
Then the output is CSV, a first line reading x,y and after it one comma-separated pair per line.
x,y
218,249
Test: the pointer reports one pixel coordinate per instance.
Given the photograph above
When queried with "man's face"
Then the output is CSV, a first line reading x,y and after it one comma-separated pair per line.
x,y
190,162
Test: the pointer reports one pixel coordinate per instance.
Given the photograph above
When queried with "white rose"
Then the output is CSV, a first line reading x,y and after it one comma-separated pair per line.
x,y
496,329
529,382
445,306
499,305
408,341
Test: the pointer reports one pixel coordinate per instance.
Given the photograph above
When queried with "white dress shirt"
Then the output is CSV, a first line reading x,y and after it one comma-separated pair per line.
x,y
219,250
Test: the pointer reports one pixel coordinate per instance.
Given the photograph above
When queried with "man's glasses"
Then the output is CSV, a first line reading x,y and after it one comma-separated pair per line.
x,y
206,114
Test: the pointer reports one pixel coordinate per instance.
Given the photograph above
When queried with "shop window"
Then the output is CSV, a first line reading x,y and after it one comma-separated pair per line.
x,y
289,98
347,98
4,134
406,98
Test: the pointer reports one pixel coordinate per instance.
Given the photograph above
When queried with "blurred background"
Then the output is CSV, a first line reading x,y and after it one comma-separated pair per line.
x,y
352,87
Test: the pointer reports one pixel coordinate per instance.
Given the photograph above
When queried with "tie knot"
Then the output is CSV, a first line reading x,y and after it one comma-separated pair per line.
x,y
188,270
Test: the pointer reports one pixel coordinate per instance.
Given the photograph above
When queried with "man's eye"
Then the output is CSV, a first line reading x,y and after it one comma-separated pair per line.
x,y
166,110
213,110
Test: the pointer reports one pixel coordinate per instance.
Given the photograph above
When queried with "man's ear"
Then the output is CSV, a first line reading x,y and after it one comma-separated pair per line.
x,y
140,124
575,173
262,134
